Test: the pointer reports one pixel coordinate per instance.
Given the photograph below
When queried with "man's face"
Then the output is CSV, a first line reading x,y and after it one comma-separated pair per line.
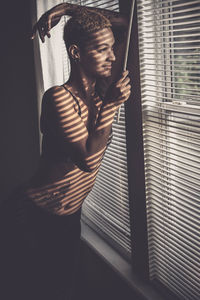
x,y
98,56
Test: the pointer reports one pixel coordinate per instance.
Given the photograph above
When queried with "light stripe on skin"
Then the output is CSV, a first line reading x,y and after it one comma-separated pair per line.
x,y
96,155
104,125
69,123
70,197
72,133
75,189
78,196
70,211
69,176
73,186
94,165
76,184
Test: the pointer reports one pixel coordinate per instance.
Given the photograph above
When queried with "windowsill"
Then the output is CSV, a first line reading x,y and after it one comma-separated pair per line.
x,y
118,263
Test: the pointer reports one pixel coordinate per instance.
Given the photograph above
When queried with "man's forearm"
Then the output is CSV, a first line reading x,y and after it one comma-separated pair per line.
x,y
115,18
99,134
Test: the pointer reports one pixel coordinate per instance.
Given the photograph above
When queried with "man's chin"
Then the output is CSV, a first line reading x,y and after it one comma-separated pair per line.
x,y
106,74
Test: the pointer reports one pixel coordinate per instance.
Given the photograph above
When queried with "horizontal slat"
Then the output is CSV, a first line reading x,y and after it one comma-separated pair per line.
x,y
186,268
188,37
183,22
174,170
159,70
143,75
165,31
183,222
110,214
169,266
172,45
158,87
171,237
170,214
118,166
177,106
169,247
162,252
153,193
173,120
147,16
173,176
153,122
160,60
185,271
166,151
115,226
105,225
120,205
170,143
168,136
164,137
96,3
172,195
147,4
171,185
159,184
171,169
189,13
177,124
182,67
176,286
171,180
156,157
111,180
115,186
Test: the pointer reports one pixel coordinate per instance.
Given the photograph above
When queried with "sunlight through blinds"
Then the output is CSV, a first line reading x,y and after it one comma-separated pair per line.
x,y
169,49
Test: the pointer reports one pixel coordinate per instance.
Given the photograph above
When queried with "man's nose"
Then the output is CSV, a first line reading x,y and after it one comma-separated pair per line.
x,y
112,56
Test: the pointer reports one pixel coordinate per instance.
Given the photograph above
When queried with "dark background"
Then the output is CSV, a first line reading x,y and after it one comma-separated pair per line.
x,y
19,150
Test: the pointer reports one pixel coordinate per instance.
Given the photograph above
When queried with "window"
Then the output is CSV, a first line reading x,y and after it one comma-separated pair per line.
x,y
167,248
169,43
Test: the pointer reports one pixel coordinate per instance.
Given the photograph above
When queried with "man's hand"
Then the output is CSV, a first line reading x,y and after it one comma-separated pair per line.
x,y
119,91
50,19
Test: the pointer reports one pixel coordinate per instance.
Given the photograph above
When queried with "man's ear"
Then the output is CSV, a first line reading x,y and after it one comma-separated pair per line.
x,y
74,52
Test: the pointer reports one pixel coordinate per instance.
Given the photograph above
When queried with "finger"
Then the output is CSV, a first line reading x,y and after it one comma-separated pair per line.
x,y
33,34
49,23
125,89
125,81
125,97
123,77
41,34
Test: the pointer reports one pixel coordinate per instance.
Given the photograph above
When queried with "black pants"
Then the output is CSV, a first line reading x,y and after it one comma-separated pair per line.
x,y
40,255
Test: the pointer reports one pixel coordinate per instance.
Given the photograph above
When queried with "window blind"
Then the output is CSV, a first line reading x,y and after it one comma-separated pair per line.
x,y
169,50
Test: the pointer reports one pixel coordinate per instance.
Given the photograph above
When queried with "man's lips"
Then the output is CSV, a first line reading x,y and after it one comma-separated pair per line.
x,y
108,66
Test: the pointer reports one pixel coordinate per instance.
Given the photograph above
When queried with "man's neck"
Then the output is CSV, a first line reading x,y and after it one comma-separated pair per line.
x,y
82,84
